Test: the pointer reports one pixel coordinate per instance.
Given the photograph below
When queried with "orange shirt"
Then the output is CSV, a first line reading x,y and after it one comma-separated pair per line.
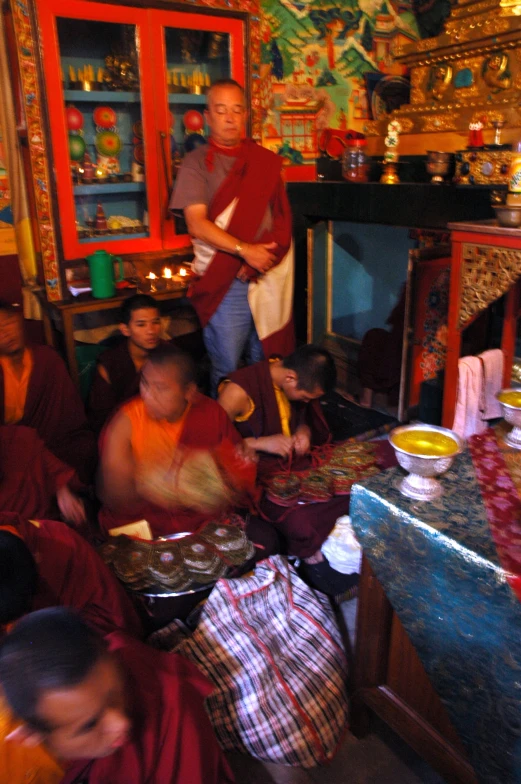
x,y
19,763
153,441
15,389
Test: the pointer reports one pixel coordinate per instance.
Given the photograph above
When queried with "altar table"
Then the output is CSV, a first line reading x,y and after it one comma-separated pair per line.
x,y
438,566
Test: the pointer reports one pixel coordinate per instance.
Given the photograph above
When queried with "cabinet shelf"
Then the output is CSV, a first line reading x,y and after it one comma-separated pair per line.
x,y
112,237
187,98
109,187
102,96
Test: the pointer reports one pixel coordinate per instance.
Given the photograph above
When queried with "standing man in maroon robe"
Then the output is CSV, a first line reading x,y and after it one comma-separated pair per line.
x,y
37,391
119,368
238,215
113,712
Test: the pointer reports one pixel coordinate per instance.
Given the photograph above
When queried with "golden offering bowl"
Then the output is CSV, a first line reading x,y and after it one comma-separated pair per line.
x,y
510,401
438,165
425,451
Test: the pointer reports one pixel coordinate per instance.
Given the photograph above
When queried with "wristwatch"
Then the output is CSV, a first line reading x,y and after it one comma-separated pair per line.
x,y
238,249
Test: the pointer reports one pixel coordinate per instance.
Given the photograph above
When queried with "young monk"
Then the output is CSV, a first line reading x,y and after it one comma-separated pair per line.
x,y
118,370
151,435
274,405
33,482
37,391
113,712
44,563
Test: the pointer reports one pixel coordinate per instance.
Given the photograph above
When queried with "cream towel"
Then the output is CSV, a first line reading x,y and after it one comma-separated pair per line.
x,y
493,361
469,403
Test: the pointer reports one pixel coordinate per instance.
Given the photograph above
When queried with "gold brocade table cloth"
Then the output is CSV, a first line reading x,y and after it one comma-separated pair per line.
x,y
439,566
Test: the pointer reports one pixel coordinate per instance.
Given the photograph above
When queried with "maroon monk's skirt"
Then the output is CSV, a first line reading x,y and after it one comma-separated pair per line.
x,y
306,526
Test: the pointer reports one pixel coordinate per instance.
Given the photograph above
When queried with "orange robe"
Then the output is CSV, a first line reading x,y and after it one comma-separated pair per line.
x,y
205,425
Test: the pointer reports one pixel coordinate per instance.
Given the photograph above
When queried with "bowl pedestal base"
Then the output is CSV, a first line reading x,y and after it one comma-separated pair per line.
x,y
513,438
421,488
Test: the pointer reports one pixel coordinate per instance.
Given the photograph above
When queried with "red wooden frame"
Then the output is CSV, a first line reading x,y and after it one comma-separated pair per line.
x,y
150,24
454,330
159,20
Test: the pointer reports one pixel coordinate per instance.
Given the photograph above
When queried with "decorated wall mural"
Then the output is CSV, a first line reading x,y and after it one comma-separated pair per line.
x,y
322,64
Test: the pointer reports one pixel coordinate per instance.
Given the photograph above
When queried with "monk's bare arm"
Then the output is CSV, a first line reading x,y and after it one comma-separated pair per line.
x,y
257,255
116,479
236,403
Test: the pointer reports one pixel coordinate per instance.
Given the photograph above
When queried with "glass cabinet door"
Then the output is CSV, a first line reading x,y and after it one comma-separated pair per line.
x,y
195,50
100,96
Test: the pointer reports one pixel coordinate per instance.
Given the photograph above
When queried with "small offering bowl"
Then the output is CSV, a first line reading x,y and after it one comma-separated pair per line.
x,y
510,401
425,451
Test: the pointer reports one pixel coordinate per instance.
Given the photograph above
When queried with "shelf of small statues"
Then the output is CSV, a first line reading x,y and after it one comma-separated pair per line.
x,y
99,94
94,235
109,187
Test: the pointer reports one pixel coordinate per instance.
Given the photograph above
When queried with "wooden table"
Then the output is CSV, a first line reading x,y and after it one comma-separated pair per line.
x,y
486,264
390,681
65,310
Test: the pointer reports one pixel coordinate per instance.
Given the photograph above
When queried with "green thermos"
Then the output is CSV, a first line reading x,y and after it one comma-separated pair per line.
x,y
101,267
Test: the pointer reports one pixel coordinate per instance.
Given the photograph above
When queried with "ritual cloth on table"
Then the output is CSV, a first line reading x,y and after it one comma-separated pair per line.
x,y
439,566
468,416
498,471
54,409
304,505
71,574
172,741
30,474
205,427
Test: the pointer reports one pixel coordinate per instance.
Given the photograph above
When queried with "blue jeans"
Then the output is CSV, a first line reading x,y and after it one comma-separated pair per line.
x,y
230,332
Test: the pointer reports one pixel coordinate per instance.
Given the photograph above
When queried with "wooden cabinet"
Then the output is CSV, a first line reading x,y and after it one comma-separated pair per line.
x,y
486,265
112,95
390,681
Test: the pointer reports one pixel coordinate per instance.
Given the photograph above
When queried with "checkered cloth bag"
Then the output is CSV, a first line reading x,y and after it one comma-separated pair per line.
x,y
272,648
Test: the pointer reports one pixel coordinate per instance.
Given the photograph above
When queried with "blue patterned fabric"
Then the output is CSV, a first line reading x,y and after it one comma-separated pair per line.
x,y
438,565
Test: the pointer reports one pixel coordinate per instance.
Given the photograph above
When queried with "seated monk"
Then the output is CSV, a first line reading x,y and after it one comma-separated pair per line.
x,y
119,368
33,482
44,563
37,391
274,405
156,453
105,712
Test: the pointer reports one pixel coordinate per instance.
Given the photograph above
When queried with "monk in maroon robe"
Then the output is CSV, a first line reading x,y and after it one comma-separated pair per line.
x,y
147,439
118,370
275,407
37,391
67,572
33,482
125,714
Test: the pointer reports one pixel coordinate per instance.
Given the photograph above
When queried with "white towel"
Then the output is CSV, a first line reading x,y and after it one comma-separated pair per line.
x,y
469,403
493,361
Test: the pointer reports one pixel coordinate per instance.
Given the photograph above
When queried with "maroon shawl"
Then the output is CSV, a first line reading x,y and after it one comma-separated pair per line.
x,y
71,574
255,180
54,409
30,475
172,740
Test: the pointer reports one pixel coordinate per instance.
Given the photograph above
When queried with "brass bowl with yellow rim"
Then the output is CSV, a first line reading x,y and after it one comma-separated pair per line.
x,y
510,402
426,451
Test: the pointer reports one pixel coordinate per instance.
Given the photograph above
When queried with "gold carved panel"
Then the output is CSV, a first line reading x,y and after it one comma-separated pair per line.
x,y
487,272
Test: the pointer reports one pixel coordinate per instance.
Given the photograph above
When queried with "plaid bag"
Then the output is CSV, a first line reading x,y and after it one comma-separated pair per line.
x,y
272,648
